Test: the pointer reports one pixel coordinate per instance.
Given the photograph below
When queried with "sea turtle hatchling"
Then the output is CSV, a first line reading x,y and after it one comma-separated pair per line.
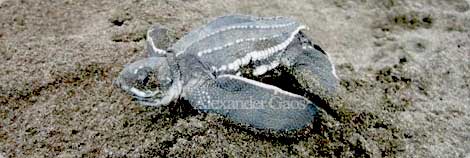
x,y
205,68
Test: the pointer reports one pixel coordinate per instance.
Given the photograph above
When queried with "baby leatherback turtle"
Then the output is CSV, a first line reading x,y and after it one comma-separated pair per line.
x,y
204,68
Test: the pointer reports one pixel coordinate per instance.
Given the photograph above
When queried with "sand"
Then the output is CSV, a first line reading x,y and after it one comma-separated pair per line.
x,y
404,67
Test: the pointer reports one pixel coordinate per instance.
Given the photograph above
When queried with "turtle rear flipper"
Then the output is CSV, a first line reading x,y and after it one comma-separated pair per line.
x,y
311,67
158,41
253,103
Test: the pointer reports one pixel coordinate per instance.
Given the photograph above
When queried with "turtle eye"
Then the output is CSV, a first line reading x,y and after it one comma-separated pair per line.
x,y
147,80
150,82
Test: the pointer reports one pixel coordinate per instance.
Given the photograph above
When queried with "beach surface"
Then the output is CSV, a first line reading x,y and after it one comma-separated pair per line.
x,y
404,67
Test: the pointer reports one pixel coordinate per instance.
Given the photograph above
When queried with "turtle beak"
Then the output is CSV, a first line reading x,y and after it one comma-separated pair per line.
x,y
133,91
141,94
118,83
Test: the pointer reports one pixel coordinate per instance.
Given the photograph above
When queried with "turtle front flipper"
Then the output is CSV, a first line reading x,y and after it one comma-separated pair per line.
x,y
158,41
253,103
311,67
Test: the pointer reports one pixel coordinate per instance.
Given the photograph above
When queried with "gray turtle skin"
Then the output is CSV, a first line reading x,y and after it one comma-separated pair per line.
x,y
204,68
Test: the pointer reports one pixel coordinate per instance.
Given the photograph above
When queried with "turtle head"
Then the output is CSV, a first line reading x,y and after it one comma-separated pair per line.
x,y
152,81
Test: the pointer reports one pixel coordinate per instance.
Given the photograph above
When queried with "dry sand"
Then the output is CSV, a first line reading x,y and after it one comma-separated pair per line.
x,y
404,67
